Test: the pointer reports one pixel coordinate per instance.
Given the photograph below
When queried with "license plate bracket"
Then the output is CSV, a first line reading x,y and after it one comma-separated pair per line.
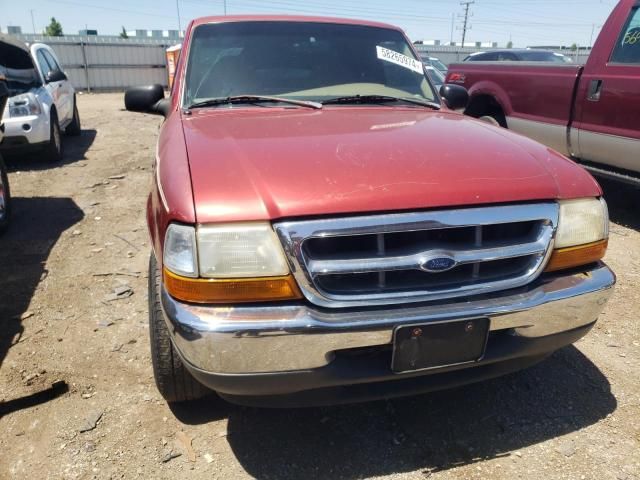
x,y
439,344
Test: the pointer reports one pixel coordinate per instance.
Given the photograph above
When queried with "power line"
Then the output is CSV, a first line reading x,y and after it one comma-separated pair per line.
x,y
326,9
122,10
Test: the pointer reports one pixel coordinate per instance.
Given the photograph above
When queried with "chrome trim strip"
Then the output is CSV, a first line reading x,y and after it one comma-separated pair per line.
x,y
277,338
294,233
415,261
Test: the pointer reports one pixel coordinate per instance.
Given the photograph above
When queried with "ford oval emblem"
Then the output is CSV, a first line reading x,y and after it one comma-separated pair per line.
x,y
438,264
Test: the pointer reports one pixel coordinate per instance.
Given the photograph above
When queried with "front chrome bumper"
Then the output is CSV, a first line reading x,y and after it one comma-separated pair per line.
x,y
286,338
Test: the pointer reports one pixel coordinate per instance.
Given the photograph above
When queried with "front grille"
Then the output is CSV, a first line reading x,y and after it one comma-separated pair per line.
x,y
399,258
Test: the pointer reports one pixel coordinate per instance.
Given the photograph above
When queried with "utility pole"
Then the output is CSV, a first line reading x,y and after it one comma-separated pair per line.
x,y
179,22
453,18
33,22
224,3
466,6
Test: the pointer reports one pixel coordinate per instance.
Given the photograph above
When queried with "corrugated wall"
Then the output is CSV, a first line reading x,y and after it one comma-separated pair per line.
x,y
109,63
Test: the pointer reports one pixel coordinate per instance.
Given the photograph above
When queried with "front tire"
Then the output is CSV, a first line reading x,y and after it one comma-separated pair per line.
x,y
73,129
173,380
490,120
5,198
54,150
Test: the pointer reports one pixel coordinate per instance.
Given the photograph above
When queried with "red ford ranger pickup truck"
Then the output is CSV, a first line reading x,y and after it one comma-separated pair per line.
x,y
326,228
590,112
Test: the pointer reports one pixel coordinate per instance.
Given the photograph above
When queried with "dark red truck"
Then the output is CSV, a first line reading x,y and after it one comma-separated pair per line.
x,y
590,112
326,228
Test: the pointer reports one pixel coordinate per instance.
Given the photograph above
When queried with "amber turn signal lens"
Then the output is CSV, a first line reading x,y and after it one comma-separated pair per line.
x,y
575,256
200,290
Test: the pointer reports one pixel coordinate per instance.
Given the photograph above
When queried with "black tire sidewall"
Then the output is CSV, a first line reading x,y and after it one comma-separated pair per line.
x,y
173,380
4,221
74,128
53,153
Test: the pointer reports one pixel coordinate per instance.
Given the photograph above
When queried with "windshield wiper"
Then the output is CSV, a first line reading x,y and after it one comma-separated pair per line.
x,y
373,99
212,102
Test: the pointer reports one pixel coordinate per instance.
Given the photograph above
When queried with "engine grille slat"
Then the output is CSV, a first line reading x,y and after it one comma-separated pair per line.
x,y
382,274
398,258
413,262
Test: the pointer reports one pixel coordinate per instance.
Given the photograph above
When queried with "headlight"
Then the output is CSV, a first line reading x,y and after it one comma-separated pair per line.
x,y
240,262
240,250
24,105
582,234
582,221
180,250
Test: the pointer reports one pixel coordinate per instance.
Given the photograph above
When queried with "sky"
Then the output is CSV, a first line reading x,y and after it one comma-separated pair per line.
x,y
524,22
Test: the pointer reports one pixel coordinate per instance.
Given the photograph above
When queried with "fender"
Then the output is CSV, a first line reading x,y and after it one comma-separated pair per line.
x,y
492,89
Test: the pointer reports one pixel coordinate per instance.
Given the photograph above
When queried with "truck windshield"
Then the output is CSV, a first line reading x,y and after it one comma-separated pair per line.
x,y
302,61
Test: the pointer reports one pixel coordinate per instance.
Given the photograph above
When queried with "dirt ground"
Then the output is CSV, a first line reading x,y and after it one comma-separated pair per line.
x,y
78,235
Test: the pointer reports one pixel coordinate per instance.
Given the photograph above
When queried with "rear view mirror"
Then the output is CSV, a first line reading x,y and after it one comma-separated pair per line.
x,y
454,96
147,99
55,76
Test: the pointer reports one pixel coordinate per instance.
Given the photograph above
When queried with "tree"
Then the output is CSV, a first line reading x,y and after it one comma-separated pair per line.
x,y
123,33
574,47
54,29
509,44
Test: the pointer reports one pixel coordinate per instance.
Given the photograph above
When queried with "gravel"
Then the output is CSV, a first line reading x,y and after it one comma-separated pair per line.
x,y
576,415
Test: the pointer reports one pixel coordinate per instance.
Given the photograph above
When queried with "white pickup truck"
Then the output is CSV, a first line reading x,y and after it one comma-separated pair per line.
x,y
42,102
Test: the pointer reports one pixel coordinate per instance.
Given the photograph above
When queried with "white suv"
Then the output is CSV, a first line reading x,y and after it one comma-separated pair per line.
x,y
42,103
5,196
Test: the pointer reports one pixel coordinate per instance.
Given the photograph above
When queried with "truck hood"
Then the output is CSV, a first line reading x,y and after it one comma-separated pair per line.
x,y
270,163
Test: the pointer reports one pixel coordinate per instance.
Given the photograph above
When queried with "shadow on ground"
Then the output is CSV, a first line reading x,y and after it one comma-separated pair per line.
x,y
427,433
36,224
75,149
623,201
38,398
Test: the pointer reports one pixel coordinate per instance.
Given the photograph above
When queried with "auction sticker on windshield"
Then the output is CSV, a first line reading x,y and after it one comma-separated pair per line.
x,y
399,59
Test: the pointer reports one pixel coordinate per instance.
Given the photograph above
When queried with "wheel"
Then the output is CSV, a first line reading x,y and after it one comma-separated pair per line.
x,y
73,129
490,120
5,197
53,150
173,380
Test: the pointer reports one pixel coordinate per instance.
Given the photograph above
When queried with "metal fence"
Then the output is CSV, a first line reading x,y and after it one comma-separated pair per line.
x,y
113,63
109,63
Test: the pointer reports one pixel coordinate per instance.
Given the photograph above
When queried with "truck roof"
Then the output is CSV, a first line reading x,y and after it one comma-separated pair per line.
x,y
289,18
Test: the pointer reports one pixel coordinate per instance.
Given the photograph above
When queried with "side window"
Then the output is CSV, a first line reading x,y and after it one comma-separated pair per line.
x,y
506,57
45,67
485,57
52,61
627,49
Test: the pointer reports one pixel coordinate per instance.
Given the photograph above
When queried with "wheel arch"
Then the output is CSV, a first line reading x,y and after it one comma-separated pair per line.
x,y
488,98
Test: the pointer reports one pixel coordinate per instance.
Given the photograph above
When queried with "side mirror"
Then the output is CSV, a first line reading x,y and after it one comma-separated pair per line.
x,y
454,96
55,76
147,99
